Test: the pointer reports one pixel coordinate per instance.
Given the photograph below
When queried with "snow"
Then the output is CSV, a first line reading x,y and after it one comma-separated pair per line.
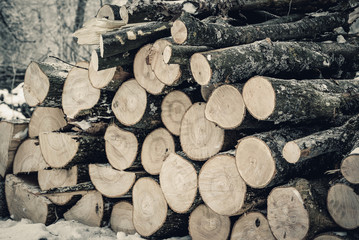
x,y
6,113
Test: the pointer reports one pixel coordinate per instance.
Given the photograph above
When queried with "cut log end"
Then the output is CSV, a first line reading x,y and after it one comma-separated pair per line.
x,y
350,168
173,107
291,152
99,79
121,147
179,32
121,218
200,68
259,97
286,212
167,53
129,103
255,162
343,206
225,107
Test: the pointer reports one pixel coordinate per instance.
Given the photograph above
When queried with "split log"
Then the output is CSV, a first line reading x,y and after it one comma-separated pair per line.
x,y
46,119
29,158
178,178
121,218
190,31
267,98
134,107
68,149
23,201
238,63
12,134
4,212
350,164
295,212
302,150
151,216
155,149
205,224
113,12
125,60
43,83
252,225
180,54
126,39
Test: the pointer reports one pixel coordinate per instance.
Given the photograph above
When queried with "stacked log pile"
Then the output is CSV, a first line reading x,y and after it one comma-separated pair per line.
x,y
195,117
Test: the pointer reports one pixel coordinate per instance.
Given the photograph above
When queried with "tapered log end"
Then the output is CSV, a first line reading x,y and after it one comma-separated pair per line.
x,y
173,107
121,218
291,152
205,224
343,206
259,97
350,168
167,53
179,32
255,162
129,103
221,186
200,68
99,79
36,85
287,216
225,107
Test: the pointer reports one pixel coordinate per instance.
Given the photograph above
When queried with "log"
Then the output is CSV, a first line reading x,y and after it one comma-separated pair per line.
x,y
190,31
205,224
180,54
78,189
43,83
133,107
125,60
23,201
68,149
12,134
294,211
336,236
4,212
252,225
28,157
121,218
178,178
126,39
151,216
238,63
113,12
155,149
267,98
46,119
350,164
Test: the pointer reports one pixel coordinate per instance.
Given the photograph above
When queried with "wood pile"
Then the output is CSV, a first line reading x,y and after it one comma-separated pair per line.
x,y
199,118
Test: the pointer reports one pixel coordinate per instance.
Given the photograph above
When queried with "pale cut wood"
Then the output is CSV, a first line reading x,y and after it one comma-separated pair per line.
x,y
220,185
88,210
173,107
155,149
121,218
29,158
110,182
178,179
23,201
46,119
252,225
12,134
200,138
225,106
205,224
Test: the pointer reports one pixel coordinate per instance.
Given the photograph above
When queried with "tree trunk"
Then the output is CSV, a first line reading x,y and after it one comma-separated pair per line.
x,y
121,218
68,149
350,164
267,99
43,83
12,134
238,63
205,224
46,119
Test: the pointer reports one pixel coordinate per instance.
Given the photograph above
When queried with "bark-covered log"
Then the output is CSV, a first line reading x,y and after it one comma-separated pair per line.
x,y
151,216
252,225
23,201
43,83
268,98
190,31
180,54
134,107
68,149
129,38
121,218
238,63
29,158
4,212
295,210
350,164
205,224
113,12
12,134
125,60
46,119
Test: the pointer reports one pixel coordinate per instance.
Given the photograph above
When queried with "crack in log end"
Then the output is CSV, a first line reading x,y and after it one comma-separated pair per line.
x,y
257,222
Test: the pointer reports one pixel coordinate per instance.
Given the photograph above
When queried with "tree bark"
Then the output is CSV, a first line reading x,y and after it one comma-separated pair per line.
x,y
4,212
238,63
350,164
121,218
